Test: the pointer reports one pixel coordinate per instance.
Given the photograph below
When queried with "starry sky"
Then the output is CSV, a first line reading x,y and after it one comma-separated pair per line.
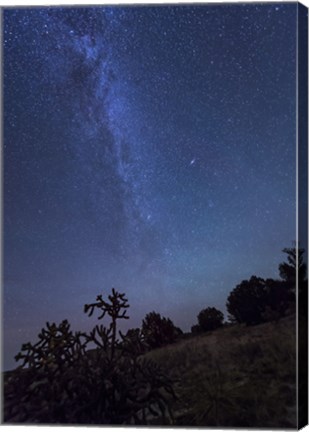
x,y
146,148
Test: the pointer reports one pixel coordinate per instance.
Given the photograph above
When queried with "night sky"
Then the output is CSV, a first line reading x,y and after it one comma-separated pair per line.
x,y
150,149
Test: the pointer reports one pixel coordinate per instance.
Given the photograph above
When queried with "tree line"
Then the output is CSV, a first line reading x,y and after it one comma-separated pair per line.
x,y
251,302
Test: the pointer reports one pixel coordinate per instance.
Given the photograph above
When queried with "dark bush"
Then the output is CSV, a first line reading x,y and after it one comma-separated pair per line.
x,y
158,331
210,319
195,329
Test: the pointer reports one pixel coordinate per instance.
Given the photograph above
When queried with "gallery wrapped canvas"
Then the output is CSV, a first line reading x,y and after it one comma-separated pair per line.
x,y
155,215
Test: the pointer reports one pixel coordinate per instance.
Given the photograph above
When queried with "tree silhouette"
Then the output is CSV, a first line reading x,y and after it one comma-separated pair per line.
x,y
259,300
158,331
210,319
247,302
288,270
279,299
283,291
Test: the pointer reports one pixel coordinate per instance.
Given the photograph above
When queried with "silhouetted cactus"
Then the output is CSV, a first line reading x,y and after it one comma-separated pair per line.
x,y
41,390
60,382
57,345
116,309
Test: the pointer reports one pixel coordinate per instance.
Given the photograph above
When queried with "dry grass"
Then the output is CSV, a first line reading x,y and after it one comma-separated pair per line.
x,y
236,376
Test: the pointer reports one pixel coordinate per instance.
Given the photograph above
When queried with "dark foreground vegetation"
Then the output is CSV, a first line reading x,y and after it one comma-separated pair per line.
x,y
241,373
61,382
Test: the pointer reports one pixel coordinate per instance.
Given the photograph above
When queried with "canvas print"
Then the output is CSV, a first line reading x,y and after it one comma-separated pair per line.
x,y
155,215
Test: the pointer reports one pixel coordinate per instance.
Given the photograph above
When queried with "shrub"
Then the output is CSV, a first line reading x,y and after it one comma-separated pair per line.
x,y
158,331
210,319
195,329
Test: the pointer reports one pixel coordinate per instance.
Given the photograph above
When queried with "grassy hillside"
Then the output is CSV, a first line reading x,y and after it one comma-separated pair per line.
x,y
235,376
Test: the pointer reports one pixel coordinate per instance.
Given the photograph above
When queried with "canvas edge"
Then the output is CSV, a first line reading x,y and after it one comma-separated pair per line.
x,y
302,208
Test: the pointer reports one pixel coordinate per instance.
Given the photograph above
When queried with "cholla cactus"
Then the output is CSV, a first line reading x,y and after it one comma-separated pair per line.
x,y
59,381
40,389
57,345
116,309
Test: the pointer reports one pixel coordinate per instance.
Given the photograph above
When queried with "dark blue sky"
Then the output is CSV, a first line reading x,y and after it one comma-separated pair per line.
x,y
150,149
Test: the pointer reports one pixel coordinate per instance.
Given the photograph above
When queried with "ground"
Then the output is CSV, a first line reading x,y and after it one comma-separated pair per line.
x,y
236,376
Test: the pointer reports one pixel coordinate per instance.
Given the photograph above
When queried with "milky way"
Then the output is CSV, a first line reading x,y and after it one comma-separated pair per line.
x,y
151,149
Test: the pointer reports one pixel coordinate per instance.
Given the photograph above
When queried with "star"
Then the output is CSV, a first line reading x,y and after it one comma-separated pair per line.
x,y
131,160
